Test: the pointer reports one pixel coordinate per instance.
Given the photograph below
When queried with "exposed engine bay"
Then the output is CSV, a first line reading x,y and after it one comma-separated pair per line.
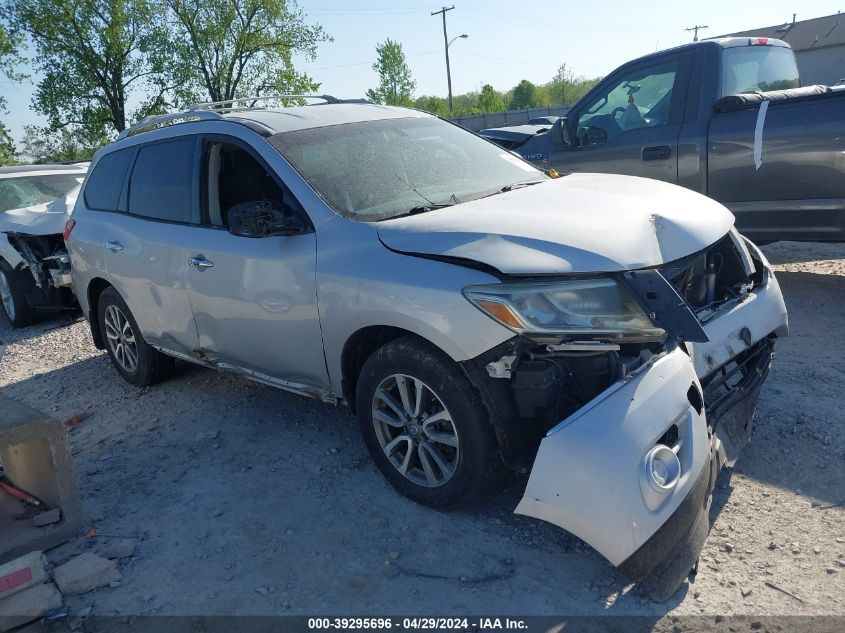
x,y
671,412
550,379
46,259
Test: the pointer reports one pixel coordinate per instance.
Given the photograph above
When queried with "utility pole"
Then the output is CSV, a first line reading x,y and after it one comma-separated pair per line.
x,y
695,30
446,46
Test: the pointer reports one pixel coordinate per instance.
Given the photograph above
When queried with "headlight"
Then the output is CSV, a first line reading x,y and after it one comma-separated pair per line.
x,y
594,308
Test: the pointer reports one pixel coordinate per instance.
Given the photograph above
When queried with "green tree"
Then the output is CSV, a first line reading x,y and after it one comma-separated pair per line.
x,y
45,145
10,57
525,95
8,153
10,44
489,100
566,88
396,85
92,55
434,105
227,49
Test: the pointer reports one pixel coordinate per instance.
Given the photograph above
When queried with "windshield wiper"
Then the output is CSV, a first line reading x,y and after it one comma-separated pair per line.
x,y
506,188
519,185
423,208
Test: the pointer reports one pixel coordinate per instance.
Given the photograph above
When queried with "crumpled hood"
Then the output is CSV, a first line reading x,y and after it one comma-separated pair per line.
x,y
576,224
40,219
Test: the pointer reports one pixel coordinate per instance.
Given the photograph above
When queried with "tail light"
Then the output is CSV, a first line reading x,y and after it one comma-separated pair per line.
x,y
68,228
759,41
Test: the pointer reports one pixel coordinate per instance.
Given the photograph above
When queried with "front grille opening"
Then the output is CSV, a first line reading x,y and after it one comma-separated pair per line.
x,y
670,437
737,374
694,397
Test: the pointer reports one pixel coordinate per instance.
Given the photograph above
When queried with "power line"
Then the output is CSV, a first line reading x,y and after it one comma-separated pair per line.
x,y
442,13
695,30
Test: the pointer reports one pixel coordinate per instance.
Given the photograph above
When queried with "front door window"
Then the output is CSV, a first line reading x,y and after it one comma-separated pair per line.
x,y
640,98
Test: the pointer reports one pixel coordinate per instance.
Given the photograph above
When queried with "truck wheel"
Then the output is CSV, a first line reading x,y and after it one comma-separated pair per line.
x,y
425,426
14,285
138,363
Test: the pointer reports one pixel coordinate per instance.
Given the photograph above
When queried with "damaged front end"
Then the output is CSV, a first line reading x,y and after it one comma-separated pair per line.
x,y
45,259
634,389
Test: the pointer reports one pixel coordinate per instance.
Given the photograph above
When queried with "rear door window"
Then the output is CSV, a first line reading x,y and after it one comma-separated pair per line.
x,y
102,192
162,181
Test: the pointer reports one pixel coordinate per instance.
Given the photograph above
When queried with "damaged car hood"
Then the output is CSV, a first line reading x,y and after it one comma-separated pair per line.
x,y
577,224
40,219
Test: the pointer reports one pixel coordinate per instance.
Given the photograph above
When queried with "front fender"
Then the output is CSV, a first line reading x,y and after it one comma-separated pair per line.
x,y
9,252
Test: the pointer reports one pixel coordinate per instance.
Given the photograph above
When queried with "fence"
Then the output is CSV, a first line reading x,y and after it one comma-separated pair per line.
x,y
476,122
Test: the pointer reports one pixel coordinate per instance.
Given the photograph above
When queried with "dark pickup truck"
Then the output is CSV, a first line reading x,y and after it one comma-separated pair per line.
x,y
724,117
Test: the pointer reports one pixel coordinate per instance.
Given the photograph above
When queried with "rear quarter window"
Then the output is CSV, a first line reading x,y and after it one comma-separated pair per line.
x,y
102,192
162,181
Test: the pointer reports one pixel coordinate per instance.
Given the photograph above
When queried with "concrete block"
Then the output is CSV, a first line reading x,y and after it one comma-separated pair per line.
x,y
84,573
28,605
35,457
21,573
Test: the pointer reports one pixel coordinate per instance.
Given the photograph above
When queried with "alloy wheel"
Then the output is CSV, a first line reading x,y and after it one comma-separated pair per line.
x,y
415,430
121,339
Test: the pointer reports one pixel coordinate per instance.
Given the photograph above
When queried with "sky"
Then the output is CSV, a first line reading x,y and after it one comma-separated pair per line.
x,y
508,40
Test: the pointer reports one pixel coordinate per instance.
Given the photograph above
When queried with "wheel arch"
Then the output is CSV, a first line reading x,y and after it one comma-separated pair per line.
x,y
95,288
359,347
496,400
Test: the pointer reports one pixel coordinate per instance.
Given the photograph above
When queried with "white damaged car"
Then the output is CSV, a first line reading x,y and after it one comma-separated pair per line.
x,y
35,201
470,309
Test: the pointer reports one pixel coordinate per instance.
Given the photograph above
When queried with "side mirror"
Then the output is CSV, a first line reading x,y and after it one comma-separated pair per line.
x,y
560,132
259,218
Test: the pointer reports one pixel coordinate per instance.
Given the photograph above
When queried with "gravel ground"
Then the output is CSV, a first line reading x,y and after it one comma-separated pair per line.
x,y
250,500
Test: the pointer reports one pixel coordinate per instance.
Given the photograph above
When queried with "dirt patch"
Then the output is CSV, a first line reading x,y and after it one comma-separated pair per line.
x,y
250,500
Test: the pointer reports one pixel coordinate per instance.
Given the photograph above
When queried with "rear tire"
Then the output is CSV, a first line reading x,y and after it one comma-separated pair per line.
x,y
14,285
137,362
438,447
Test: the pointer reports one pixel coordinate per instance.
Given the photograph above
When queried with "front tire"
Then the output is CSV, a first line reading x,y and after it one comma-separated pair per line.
x,y
425,426
137,362
14,284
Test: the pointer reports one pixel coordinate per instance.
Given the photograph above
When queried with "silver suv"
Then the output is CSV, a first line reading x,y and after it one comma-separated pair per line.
x,y
471,309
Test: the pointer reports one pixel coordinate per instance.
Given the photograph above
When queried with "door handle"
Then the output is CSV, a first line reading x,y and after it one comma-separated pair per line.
x,y
657,152
113,246
200,263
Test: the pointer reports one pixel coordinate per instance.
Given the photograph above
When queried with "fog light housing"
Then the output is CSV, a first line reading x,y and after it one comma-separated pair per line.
x,y
662,469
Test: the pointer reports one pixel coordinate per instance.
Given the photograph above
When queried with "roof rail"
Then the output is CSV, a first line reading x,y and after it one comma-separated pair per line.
x,y
230,104
211,110
163,120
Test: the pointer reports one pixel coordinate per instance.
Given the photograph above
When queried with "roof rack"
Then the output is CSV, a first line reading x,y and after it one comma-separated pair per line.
x,y
211,110
230,105
163,120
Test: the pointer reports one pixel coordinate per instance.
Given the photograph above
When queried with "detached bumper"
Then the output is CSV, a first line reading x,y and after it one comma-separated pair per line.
x,y
594,474
591,475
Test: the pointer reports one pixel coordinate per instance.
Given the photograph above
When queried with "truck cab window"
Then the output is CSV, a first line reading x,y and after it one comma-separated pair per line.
x,y
235,177
640,98
758,69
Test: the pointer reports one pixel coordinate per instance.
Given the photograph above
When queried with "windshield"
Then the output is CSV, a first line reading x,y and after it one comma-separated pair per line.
x,y
374,170
27,191
758,69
